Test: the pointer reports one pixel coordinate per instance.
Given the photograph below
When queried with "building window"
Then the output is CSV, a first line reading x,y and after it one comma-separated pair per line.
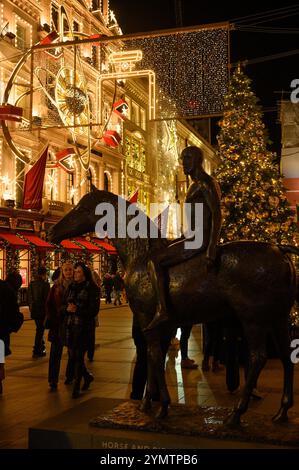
x,y
70,188
135,154
106,182
142,119
76,27
54,17
95,5
21,36
135,113
66,26
24,268
94,56
19,181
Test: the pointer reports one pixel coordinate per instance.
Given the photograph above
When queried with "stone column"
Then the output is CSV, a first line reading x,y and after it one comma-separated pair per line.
x,y
101,176
116,181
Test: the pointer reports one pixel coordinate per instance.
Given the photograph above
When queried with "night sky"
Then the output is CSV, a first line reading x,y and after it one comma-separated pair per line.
x,y
269,78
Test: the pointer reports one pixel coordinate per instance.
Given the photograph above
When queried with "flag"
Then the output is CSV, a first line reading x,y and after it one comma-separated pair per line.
x,y
34,182
134,198
162,221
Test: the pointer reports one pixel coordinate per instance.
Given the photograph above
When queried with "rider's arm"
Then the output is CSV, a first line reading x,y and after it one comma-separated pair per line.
x,y
211,192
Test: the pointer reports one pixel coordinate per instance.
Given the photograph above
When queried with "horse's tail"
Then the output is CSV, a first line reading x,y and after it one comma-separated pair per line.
x,y
290,249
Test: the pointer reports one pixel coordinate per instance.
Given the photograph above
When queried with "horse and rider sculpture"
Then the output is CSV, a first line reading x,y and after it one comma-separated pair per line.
x,y
168,285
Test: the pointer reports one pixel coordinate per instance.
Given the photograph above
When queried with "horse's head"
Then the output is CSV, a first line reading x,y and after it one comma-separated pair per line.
x,y
82,218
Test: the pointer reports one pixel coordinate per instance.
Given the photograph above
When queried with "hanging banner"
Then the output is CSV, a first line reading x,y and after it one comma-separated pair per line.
x,y
34,182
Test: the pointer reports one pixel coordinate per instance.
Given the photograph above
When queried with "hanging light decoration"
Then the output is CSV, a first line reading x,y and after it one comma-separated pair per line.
x,y
111,138
121,108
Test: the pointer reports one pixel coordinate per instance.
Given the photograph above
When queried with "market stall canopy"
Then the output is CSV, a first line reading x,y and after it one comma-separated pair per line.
x,y
71,246
88,245
104,245
38,242
14,240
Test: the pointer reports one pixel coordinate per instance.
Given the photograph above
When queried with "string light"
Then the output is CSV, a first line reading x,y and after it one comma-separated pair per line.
x,y
190,67
255,206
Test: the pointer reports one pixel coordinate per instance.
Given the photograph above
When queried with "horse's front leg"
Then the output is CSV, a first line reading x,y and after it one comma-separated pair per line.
x,y
156,372
257,349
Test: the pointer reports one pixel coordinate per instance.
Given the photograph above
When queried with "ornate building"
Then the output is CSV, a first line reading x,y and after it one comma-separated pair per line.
x,y
290,151
95,115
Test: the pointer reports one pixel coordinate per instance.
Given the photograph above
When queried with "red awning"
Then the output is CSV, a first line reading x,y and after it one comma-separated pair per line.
x,y
88,245
106,246
38,242
13,240
70,246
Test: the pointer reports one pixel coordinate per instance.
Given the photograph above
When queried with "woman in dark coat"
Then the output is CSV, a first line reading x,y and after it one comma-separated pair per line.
x,y
55,310
83,303
11,319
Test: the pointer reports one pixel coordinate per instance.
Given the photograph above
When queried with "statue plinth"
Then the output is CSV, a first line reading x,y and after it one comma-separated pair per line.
x,y
204,422
121,425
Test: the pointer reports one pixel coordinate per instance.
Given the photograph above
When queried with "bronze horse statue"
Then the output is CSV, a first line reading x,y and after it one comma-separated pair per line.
x,y
252,282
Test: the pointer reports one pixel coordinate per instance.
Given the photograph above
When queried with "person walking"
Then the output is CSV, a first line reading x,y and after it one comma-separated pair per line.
x,y
55,307
91,348
212,336
37,296
11,319
108,286
118,286
186,362
83,302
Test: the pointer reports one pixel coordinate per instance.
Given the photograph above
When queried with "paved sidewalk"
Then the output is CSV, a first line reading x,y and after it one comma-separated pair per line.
x,y
26,399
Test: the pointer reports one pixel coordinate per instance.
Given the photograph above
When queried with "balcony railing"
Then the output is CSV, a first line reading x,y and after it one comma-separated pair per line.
x,y
59,207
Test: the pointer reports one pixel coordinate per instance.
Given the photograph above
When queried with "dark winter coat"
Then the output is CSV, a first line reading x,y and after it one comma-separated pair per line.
x,y
79,326
37,296
55,311
118,282
11,319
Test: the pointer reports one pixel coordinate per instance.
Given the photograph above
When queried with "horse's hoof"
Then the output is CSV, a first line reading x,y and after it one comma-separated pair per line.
x,y
280,417
233,420
145,405
162,413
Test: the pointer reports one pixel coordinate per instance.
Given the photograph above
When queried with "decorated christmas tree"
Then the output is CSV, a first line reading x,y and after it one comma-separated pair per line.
x,y
254,203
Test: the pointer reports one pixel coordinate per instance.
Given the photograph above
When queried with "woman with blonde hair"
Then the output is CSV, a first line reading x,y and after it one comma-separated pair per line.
x,y
55,308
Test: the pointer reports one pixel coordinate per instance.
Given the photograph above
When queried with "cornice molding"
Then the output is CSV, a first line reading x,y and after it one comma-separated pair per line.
x,y
29,7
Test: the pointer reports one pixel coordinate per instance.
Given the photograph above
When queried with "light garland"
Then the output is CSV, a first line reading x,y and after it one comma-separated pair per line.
x,y
12,258
254,202
190,67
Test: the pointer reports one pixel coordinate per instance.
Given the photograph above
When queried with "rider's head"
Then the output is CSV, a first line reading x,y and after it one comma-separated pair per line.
x,y
192,158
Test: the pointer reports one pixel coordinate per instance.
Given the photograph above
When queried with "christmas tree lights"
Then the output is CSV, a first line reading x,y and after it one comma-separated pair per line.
x,y
254,204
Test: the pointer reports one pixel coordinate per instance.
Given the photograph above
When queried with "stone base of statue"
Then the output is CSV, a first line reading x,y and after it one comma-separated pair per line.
x,y
121,425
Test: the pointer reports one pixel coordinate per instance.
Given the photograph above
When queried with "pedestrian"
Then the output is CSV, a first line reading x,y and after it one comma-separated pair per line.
x,y
108,286
91,348
118,286
55,306
186,362
37,296
83,303
212,339
11,319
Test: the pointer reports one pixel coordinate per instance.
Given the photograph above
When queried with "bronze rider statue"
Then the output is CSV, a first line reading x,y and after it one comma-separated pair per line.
x,y
204,189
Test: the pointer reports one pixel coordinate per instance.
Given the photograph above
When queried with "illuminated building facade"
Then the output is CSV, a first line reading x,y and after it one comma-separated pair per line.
x,y
97,115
